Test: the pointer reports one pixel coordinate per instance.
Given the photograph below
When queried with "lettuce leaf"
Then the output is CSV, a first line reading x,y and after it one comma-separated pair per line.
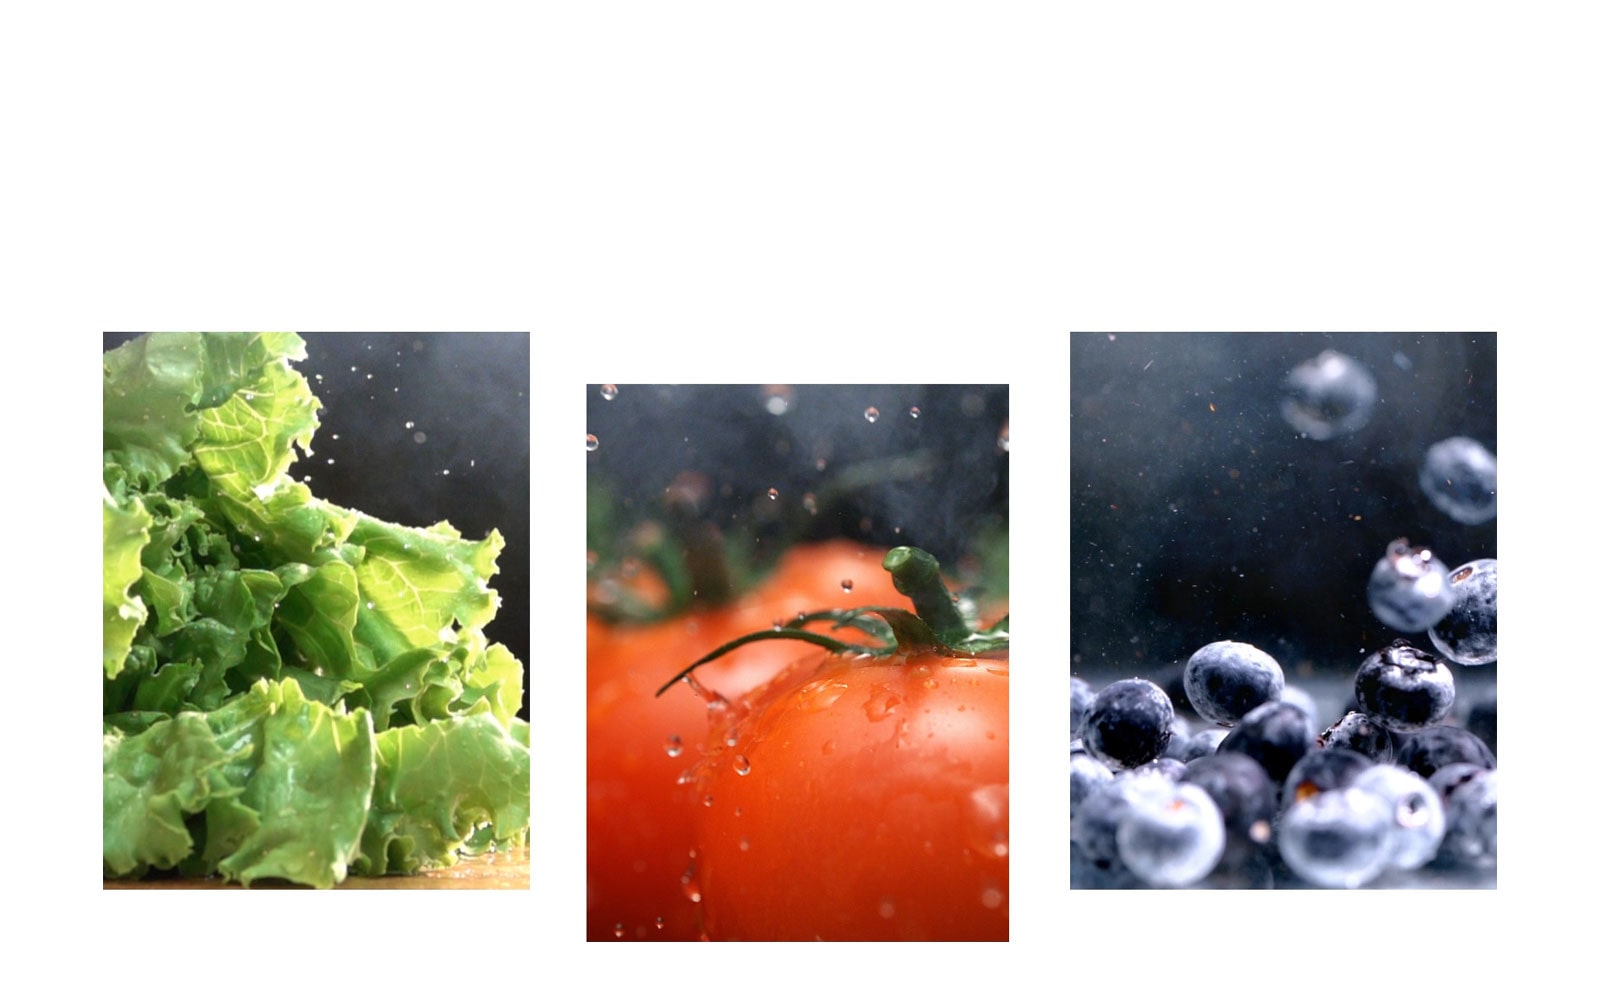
x,y
293,689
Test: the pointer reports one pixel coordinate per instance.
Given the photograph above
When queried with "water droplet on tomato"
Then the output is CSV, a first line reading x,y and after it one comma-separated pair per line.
x,y
608,391
872,414
591,442
618,930
882,703
661,923
741,764
992,898
674,746
744,843
847,585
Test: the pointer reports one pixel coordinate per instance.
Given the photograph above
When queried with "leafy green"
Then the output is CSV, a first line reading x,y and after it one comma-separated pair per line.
x,y
293,690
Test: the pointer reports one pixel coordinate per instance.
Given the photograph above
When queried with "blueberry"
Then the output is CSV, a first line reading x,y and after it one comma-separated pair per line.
x,y
1202,744
1276,734
1088,774
1128,724
1246,796
1227,679
1082,699
1427,751
1418,817
1096,818
1405,689
1466,635
1329,395
1481,720
1321,770
1356,732
1173,839
1409,588
1337,839
1471,809
1459,478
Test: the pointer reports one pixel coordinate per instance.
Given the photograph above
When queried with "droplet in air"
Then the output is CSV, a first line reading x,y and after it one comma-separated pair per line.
x,y
772,493
608,391
592,443
872,414
1004,440
916,412
410,424
421,437
809,501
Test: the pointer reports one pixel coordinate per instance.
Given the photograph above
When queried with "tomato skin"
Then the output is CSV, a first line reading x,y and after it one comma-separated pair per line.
x,y
862,801
640,817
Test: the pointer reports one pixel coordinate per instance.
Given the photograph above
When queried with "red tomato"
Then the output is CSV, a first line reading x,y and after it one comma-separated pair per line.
x,y
861,800
640,837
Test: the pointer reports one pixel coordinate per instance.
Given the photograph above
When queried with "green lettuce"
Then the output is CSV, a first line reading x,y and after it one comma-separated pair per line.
x,y
292,690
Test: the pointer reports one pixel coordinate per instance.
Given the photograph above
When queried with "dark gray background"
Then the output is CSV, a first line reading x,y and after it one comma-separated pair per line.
x,y
933,480
1191,525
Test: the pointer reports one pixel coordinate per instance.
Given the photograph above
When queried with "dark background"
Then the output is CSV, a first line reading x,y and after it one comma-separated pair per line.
x,y
419,428
936,480
1192,524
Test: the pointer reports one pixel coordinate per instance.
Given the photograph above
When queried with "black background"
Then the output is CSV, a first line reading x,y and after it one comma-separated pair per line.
x,y
1199,514
934,480
399,412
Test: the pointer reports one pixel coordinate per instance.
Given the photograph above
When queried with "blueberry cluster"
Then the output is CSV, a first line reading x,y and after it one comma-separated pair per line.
x,y
1399,789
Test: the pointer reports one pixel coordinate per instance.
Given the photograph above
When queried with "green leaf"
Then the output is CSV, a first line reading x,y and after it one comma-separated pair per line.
x,y
440,784
126,531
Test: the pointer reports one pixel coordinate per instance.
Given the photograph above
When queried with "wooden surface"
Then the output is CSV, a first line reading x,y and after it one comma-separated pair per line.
x,y
502,870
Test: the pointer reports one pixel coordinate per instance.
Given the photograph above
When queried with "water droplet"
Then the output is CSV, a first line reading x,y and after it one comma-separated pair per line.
x,y
445,472
744,843
809,502
618,930
992,898
706,802
848,585
661,923
591,442
1004,440
772,493
410,424
872,414
608,391
420,437
674,746
741,764
916,412
822,463
886,909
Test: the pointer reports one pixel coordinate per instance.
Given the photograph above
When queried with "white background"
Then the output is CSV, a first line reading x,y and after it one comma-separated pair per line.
x,y
828,191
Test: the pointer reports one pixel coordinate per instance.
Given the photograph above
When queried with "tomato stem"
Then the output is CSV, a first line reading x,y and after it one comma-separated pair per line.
x,y
937,625
916,576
